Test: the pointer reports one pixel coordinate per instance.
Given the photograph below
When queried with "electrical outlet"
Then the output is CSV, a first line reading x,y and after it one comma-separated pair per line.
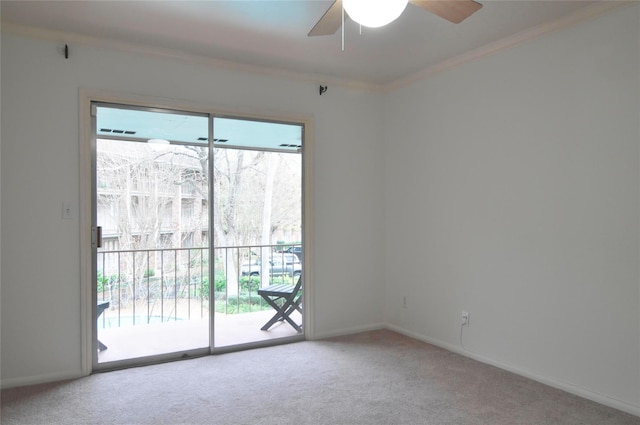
x,y
404,302
465,318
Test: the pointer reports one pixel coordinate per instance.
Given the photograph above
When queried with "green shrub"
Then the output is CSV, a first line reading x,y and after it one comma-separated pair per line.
x,y
241,303
249,284
220,285
103,281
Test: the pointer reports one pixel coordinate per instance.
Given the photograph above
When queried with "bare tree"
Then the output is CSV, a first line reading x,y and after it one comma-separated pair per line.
x,y
272,166
149,192
143,194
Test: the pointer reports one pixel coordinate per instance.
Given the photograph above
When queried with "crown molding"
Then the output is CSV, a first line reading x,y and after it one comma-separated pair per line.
x,y
530,34
173,54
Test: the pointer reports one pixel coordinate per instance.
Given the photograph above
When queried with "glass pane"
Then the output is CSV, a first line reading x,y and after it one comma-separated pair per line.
x,y
152,270
257,241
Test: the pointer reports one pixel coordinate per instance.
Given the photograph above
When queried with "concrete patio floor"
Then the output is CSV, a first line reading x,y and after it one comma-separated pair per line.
x,y
141,340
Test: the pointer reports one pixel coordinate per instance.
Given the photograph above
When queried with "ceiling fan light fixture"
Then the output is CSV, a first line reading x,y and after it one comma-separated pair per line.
x,y
374,13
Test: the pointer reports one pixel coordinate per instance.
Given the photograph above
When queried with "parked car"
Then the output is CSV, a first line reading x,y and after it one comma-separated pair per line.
x,y
279,264
295,250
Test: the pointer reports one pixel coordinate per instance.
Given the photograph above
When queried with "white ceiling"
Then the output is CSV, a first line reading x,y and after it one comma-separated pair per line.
x,y
272,35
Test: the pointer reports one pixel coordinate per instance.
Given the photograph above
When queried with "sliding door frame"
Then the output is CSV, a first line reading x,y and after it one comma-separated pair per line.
x,y
86,158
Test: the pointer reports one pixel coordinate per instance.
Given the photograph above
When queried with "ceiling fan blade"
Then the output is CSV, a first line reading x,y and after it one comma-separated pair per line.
x,y
455,11
330,21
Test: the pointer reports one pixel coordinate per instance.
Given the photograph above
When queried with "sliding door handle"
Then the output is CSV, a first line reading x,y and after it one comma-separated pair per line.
x,y
96,237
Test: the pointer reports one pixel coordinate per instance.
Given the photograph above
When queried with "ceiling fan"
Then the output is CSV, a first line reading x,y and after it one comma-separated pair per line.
x,y
452,10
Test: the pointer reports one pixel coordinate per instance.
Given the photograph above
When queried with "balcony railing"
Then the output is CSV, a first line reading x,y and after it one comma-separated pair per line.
x,y
161,285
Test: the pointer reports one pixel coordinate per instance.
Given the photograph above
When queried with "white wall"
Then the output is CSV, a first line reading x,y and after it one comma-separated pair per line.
x,y
512,191
41,336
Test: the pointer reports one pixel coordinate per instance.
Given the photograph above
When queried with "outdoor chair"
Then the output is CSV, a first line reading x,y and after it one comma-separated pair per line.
x,y
285,299
102,306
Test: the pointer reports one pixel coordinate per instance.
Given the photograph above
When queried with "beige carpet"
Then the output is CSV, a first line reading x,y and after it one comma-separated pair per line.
x,y
372,378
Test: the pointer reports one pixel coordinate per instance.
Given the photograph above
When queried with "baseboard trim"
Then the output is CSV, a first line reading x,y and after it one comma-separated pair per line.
x,y
39,379
348,331
552,382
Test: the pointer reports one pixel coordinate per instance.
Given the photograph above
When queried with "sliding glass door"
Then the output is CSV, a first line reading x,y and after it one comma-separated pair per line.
x,y
152,233
257,225
195,219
